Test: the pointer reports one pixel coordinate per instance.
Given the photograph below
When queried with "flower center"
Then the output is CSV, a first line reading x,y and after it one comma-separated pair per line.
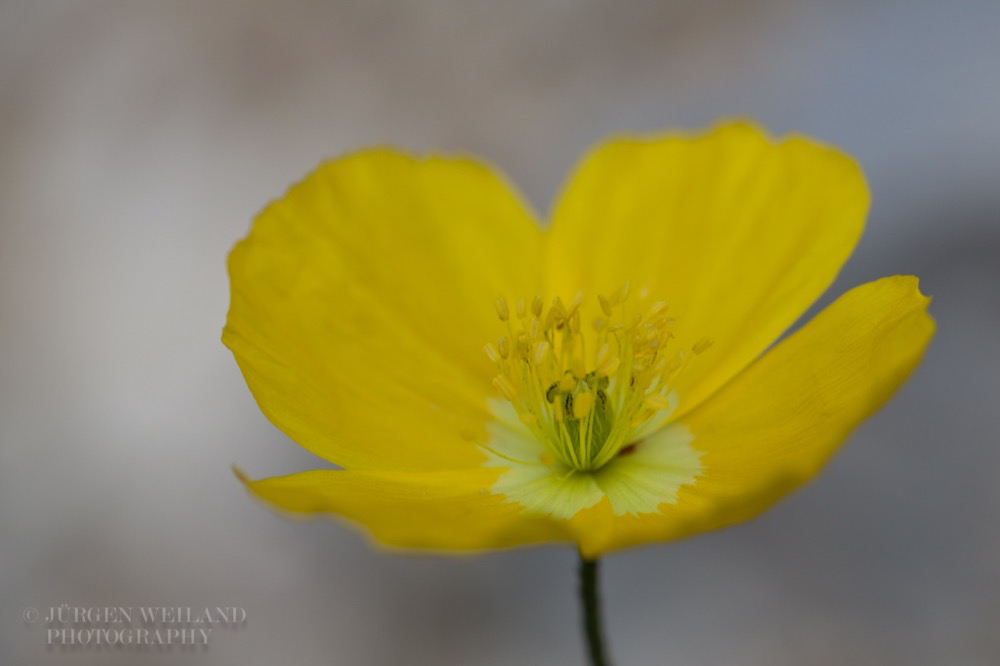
x,y
588,392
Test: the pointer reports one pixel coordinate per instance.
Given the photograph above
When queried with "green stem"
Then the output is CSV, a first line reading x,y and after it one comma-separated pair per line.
x,y
592,624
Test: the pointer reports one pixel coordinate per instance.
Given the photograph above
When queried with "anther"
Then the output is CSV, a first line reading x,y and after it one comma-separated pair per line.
x,y
491,352
574,321
536,306
551,319
702,345
657,308
624,292
559,308
605,305
502,310
523,345
575,305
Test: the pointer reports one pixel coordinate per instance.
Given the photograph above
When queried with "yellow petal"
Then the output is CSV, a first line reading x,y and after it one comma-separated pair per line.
x,y
737,233
772,428
430,510
360,303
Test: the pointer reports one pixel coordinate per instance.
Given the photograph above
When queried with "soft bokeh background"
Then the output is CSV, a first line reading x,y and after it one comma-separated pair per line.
x,y
137,140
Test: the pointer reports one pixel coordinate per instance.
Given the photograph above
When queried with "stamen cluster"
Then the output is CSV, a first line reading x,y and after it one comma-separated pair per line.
x,y
585,392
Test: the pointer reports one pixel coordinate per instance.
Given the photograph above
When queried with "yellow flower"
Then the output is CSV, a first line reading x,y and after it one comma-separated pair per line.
x,y
627,393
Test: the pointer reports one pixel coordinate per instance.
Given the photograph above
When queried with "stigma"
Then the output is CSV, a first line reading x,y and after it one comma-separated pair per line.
x,y
588,379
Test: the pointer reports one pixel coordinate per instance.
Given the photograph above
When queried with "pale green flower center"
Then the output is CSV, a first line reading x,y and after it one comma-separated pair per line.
x,y
637,481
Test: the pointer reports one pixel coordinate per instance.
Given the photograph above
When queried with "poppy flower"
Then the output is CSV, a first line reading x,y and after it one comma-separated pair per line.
x,y
615,378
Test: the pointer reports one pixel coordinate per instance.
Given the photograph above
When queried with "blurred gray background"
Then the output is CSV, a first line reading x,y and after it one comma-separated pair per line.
x,y
137,141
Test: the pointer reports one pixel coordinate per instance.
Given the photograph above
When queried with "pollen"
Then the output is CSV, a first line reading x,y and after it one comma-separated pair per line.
x,y
586,391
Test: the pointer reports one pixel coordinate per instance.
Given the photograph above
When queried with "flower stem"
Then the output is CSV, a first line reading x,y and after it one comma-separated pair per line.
x,y
592,623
